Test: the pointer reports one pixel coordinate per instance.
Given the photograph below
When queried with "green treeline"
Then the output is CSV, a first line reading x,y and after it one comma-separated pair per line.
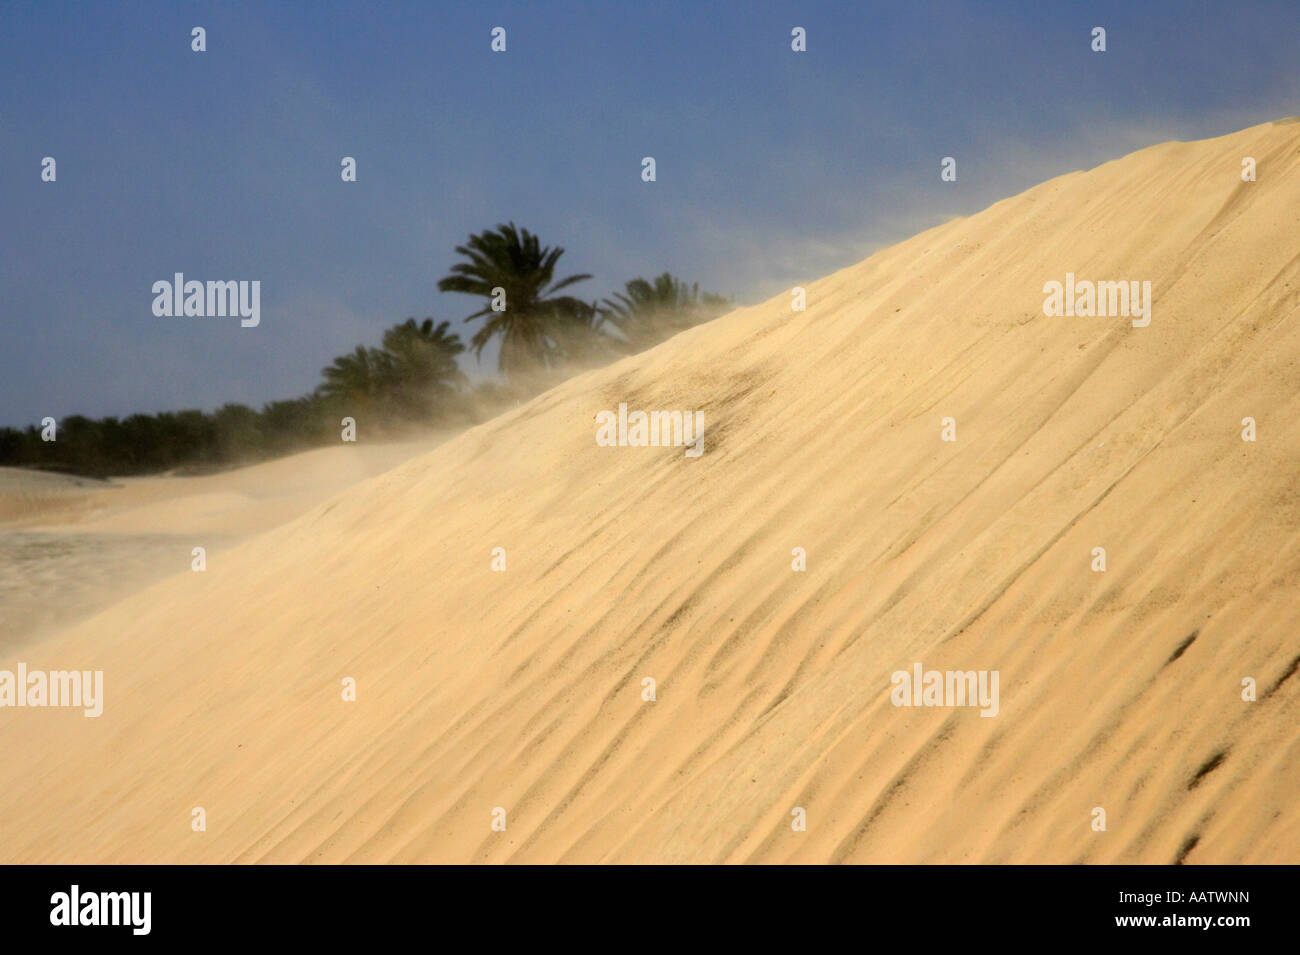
x,y
411,380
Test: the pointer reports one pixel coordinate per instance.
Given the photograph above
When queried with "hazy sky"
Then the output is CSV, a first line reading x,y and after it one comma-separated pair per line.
x,y
774,167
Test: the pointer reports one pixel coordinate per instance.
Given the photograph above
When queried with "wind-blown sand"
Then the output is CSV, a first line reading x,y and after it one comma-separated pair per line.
x,y
71,545
522,689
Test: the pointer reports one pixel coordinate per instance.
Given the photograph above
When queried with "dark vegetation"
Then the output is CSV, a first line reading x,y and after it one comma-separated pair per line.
x,y
411,381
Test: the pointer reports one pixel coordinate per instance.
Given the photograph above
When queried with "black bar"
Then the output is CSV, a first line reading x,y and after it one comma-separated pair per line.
x,y
330,905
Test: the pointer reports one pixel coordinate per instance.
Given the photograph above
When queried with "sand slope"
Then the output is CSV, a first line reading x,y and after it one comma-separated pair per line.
x,y
522,689
70,546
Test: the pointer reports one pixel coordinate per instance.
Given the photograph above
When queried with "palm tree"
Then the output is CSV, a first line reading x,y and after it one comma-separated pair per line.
x,y
357,376
421,364
514,260
646,313
580,342
424,354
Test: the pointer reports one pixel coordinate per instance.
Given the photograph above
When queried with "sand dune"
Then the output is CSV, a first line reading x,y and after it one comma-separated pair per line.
x,y
70,546
27,496
523,689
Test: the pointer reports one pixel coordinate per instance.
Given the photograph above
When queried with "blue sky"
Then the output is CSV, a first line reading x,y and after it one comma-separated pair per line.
x,y
773,167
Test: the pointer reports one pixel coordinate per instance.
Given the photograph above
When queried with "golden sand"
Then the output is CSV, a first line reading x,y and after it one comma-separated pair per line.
x,y
522,689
